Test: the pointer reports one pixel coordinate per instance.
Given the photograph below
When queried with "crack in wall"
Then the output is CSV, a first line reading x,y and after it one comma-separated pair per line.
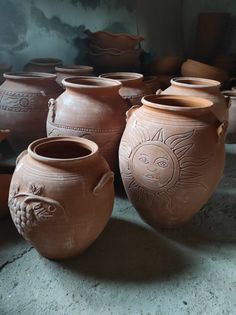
x,y
8,262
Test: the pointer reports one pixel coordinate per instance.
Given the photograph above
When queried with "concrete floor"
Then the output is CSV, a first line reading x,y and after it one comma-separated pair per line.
x,y
132,269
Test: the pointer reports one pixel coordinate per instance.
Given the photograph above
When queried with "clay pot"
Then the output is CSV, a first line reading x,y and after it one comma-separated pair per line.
x,y
167,65
171,157
61,195
63,72
133,87
4,67
24,106
199,87
119,41
92,108
193,68
151,83
43,65
231,131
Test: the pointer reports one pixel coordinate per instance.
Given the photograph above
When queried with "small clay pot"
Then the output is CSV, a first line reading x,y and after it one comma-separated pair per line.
x,y
4,67
61,195
63,72
193,68
171,157
133,87
151,83
231,131
43,65
167,65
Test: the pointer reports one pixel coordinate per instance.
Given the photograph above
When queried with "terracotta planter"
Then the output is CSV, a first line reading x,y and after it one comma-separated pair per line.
x,y
231,132
63,72
43,65
151,83
24,106
61,195
171,157
133,87
4,67
193,68
119,41
92,108
199,87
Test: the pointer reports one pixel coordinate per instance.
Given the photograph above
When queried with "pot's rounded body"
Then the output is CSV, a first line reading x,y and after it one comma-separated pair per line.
x,y
24,106
61,195
63,72
92,108
43,65
199,87
171,157
231,131
133,87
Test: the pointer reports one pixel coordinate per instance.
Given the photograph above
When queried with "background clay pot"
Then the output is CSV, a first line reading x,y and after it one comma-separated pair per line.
x,y
193,68
133,87
63,72
61,214
167,65
4,67
92,108
151,83
231,131
24,106
171,157
209,89
43,65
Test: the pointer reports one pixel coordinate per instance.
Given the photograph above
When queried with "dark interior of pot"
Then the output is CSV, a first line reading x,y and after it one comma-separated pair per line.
x,y
196,82
62,150
99,82
184,102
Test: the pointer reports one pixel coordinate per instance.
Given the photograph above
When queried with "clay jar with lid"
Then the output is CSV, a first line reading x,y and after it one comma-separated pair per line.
x,y
171,157
61,195
43,65
63,72
231,131
205,88
92,108
133,87
24,106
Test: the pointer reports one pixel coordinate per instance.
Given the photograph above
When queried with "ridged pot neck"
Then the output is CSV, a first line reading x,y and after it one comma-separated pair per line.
x,y
74,69
195,83
63,151
181,105
126,78
29,76
46,61
92,85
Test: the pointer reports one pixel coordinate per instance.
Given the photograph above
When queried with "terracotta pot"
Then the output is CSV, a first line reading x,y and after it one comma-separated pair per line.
x,y
63,213
133,87
171,157
43,65
92,108
152,84
4,67
119,41
193,68
63,72
231,132
167,65
199,87
24,106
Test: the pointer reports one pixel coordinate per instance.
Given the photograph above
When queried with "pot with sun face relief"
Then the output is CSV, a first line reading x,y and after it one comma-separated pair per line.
x,y
171,157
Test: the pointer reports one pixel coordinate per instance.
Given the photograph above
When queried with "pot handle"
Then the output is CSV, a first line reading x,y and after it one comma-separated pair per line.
x,y
106,178
52,107
20,156
159,91
221,130
131,111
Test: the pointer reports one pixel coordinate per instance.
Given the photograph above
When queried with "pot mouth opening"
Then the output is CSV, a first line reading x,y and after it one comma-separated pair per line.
x,y
28,75
194,82
90,82
45,61
122,76
62,149
177,103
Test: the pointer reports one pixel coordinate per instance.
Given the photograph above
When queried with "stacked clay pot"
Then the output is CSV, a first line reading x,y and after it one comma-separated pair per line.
x,y
171,157
61,195
231,131
24,106
43,65
133,87
92,108
205,88
63,72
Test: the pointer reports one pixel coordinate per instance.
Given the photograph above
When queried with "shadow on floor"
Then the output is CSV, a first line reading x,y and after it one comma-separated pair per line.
x,y
129,252
9,234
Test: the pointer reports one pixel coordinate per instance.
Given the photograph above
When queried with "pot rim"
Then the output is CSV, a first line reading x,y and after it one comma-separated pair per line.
x,y
104,82
114,35
230,93
154,101
45,61
209,82
73,68
29,75
85,143
128,76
